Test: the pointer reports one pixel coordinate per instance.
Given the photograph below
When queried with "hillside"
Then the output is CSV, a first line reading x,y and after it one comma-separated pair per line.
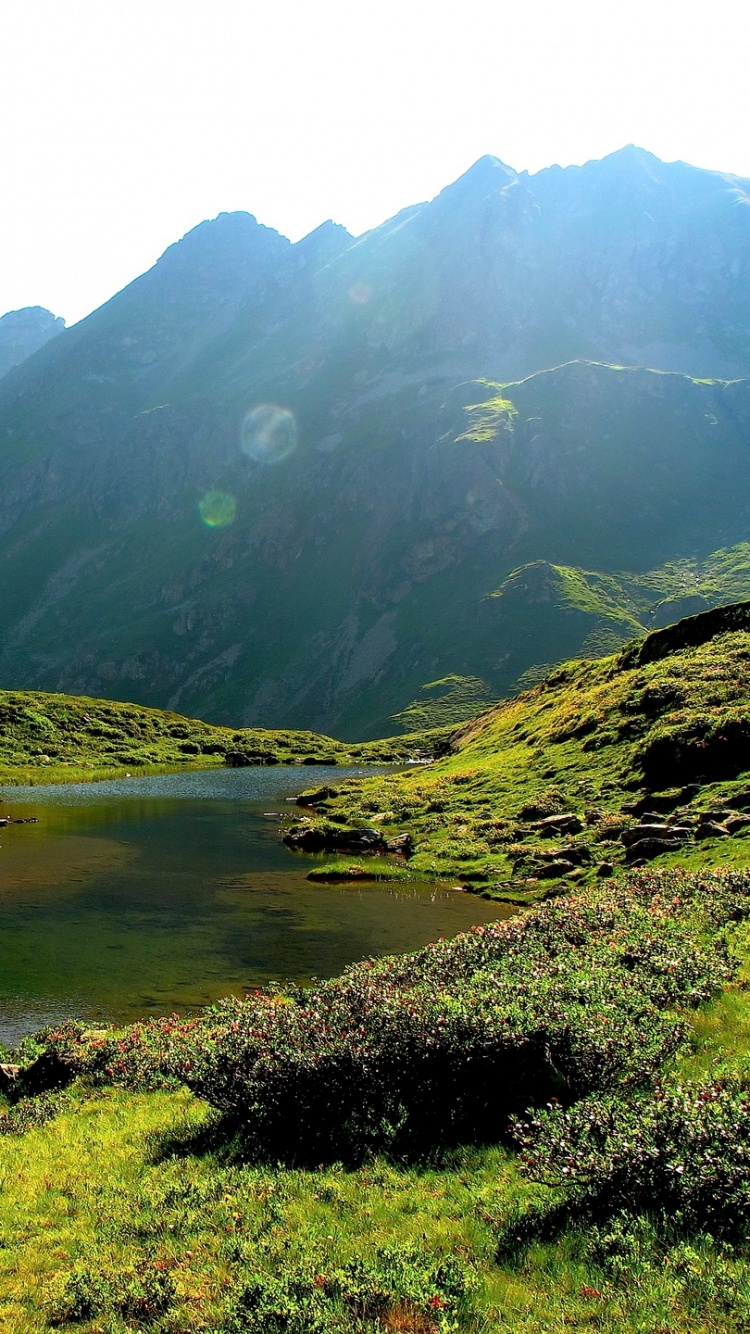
x,y
629,759
63,738
166,536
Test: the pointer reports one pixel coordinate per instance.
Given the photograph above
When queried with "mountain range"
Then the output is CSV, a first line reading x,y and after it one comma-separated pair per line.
x,y
353,480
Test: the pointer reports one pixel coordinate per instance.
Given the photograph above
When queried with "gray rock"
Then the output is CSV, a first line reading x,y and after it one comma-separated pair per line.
x,y
647,848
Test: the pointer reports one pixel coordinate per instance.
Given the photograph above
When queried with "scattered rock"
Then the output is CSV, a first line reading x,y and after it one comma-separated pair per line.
x,y
709,829
315,795
571,853
736,822
565,823
319,759
551,870
308,836
647,848
240,759
605,869
663,831
403,844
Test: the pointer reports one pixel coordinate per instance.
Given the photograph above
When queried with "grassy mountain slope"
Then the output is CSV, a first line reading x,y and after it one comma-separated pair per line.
x,y
353,574
63,738
661,728
361,554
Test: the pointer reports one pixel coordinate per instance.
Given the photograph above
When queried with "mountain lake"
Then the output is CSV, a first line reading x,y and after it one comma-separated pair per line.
x,y
151,895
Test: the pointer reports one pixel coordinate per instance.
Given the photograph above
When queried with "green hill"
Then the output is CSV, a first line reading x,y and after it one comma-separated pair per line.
x,y
655,735
63,738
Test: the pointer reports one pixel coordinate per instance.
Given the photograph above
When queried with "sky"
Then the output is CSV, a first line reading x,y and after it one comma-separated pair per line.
x,y
124,123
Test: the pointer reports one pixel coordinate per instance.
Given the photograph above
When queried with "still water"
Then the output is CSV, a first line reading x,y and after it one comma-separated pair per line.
x,y
150,895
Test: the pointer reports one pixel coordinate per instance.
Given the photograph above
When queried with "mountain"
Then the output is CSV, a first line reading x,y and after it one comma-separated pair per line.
x,y
25,331
290,484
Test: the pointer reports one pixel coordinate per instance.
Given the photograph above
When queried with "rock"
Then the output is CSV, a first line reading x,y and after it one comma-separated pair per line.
x,y
646,848
240,759
319,759
640,831
309,836
709,829
605,869
565,823
315,795
551,870
403,844
570,853
736,822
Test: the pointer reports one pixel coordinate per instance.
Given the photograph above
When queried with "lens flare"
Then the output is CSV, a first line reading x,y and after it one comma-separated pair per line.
x,y
217,509
360,294
268,434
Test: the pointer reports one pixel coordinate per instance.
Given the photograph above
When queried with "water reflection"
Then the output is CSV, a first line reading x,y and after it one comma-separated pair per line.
x,y
149,895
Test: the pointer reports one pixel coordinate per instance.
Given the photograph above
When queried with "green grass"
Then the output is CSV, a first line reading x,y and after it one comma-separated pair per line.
x,y
137,1204
587,740
108,1189
49,738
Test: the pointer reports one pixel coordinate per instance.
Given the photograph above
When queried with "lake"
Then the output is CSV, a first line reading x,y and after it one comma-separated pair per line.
x,y
152,895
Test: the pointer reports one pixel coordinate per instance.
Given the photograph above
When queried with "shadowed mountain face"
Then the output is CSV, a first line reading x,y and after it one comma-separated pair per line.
x,y
289,484
25,331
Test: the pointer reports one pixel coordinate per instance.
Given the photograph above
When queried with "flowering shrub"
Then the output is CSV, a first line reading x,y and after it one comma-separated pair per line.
x,y
683,1152
421,1050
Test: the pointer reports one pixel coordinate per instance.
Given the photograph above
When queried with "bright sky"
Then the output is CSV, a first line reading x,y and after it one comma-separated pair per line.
x,y
123,123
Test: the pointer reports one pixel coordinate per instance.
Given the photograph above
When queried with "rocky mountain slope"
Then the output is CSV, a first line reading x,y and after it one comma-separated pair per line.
x,y
25,331
291,484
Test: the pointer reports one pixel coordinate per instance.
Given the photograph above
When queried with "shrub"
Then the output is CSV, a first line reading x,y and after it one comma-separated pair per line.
x,y
682,1151
419,1051
364,1295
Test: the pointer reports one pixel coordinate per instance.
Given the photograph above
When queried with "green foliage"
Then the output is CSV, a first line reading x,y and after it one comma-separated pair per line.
x,y
415,1053
488,418
680,1151
445,703
64,738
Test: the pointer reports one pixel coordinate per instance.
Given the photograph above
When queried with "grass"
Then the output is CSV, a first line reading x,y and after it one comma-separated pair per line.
x,y
108,1190
48,738
597,738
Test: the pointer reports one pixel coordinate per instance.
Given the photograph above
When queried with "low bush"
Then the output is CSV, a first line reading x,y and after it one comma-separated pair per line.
x,y
680,1152
402,1289
412,1053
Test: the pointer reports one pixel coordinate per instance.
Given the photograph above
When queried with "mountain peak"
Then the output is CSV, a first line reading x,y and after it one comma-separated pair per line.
x,y
23,332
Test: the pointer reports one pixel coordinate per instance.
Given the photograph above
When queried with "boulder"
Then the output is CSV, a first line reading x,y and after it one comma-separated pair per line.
x,y
640,831
308,836
565,823
314,796
736,822
710,829
403,844
552,870
647,848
